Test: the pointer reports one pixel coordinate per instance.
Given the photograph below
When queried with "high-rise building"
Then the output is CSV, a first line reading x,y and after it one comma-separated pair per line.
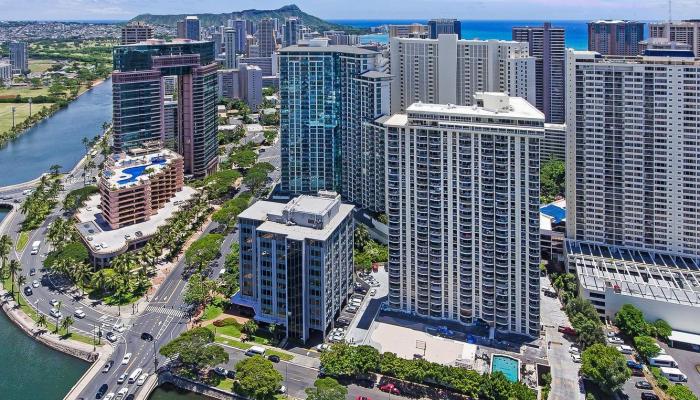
x,y
18,57
244,83
463,186
451,71
296,262
687,31
137,84
406,31
136,32
553,144
240,25
292,30
632,152
189,28
615,37
268,65
5,73
329,96
171,137
230,43
341,38
547,45
267,37
633,204
443,26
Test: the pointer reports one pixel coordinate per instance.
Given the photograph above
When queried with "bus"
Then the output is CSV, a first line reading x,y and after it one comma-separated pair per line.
x,y
663,360
673,374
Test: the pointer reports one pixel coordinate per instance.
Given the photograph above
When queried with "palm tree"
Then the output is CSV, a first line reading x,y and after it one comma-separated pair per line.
x,y
55,169
100,279
13,268
80,271
66,323
86,143
42,322
21,280
5,248
250,327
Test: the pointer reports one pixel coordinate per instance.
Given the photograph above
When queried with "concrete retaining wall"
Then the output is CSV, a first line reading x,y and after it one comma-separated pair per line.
x,y
197,387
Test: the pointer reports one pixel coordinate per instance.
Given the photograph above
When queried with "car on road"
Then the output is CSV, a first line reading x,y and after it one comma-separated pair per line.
x,y
55,313
576,358
390,388
643,384
101,391
122,393
110,396
220,371
372,292
111,337
119,327
274,358
53,302
79,313
142,379
574,350
122,378
282,389
147,337
32,272
649,396
28,291
35,283
615,340
126,359
107,367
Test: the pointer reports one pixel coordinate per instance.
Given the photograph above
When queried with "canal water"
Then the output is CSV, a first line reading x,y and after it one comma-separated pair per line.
x,y
58,139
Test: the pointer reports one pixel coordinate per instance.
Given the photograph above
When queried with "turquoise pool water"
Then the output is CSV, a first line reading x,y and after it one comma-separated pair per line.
x,y
507,365
135,172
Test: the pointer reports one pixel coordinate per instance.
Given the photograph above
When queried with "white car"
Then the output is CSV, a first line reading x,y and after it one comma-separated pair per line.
x,y
35,283
574,350
323,347
109,396
122,393
372,292
53,302
126,359
142,379
55,313
121,378
119,327
624,349
615,340
79,313
576,358
283,389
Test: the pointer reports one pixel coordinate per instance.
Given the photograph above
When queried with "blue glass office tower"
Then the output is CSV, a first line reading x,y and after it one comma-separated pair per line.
x,y
138,98
329,97
442,26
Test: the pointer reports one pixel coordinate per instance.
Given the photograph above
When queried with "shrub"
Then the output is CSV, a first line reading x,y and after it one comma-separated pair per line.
x,y
227,322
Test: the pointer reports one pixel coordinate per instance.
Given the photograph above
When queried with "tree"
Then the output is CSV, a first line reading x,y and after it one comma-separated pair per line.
x,y
605,366
631,321
244,157
197,291
646,346
55,169
337,361
42,322
661,329
269,137
361,237
326,389
257,378
5,248
590,331
14,268
365,359
21,280
195,349
250,327
67,323
495,387
203,251
256,177
552,179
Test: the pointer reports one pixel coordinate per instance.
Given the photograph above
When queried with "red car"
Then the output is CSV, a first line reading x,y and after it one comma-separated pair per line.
x,y
567,330
390,388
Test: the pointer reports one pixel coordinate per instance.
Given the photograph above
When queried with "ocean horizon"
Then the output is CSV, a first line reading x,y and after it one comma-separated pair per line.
x,y
576,31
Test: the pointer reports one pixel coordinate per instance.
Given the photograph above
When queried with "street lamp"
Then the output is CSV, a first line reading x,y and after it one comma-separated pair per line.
x,y
155,358
30,106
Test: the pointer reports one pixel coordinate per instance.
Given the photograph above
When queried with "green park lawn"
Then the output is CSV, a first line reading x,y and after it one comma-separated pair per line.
x,y
21,113
212,312
24,91
40,66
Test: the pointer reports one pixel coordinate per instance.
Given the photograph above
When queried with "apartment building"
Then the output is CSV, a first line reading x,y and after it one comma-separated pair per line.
x,y
189,28
450,71
292,31
230,41
615,37
553,144
136,32
18,57
686,31
463,206
137,99
266,35
296,265
547,45
329,96
408,30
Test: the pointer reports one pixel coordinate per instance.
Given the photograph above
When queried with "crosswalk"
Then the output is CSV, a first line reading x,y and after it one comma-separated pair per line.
x,y
166,311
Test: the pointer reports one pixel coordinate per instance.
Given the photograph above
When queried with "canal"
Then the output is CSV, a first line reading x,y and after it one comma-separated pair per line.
x,y
58,139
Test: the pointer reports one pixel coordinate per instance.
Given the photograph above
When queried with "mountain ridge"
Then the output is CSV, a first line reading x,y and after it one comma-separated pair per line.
x,y
218,19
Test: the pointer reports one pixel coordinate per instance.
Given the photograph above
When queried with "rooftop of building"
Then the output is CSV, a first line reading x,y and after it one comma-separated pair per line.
x,y
376,75
633,272
163,42
490,104
123,170
303,217
470,41
671,58
614,21
102,239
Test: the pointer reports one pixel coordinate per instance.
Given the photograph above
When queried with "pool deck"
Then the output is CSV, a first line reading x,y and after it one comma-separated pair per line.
x,y
511,359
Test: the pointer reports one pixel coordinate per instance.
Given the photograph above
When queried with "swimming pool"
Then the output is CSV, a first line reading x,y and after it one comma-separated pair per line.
x,y
137,171
507,365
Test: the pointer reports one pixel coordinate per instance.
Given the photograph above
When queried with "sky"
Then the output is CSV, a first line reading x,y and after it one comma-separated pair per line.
x,y
359,9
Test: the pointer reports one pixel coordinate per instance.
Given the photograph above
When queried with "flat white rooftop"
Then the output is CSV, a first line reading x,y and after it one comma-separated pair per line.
x,y
106,241
514,107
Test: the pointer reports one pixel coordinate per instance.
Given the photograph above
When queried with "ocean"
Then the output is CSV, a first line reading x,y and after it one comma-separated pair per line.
x,y
576,31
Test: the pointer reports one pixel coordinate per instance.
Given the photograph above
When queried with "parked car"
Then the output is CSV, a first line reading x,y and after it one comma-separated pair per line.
x,y
624,349
274,358
220,371
372,292
231,374
567,330
53,302
615,340
32,272
649,396
323,347
35,283
634,365
642,384
574,350
351,309
390,388
576,358
107,367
